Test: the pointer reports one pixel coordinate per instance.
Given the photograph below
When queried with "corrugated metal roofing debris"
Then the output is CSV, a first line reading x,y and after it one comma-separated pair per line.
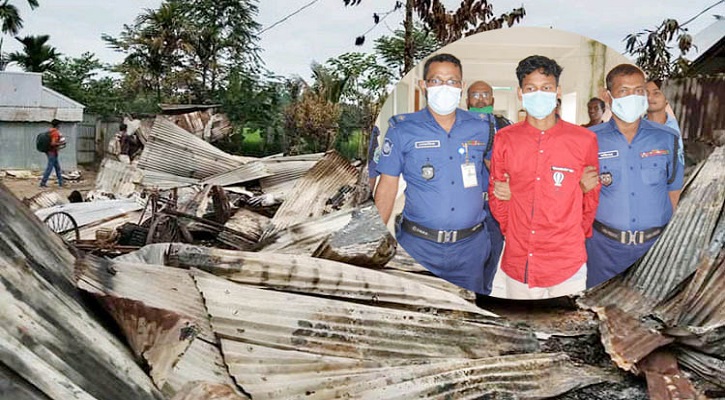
x,y
208,391
91,213
202,362
304,274
664,379
327,187
172,150
159,309
44,200
335,328
118,178
269,373
306,236
47,335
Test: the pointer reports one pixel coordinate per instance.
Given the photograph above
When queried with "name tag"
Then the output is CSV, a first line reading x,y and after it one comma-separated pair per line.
x,y
609,154
428,144
469,175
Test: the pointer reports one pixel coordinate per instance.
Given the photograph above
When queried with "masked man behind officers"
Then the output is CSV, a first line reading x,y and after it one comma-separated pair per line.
x,y
440,153
641,173
480,100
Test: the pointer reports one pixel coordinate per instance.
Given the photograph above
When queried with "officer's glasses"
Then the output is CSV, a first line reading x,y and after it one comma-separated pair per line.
x,y
438,82
480,95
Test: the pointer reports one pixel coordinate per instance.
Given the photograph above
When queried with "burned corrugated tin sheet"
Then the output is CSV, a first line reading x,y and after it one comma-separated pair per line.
x,y
165,181
208,391
302,274
306,236
665,381
364,241
92,213
625,338
118,178
335,328
202,362
172,150
205,125
44,200
698,103
249,222
159,309
675,255
329,186
269,373
46,333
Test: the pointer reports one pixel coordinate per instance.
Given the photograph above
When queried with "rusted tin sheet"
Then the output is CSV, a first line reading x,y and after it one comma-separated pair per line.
x,y
676,254
698,103
202,362
249,222
172,150
306,236
159,309
665,381
329,186
206,125
47,335
625,338
308,275
269,373
345,329
710,368
271,172
44,200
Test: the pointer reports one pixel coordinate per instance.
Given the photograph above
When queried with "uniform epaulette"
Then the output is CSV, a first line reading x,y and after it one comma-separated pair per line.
x,y
659,127
400,118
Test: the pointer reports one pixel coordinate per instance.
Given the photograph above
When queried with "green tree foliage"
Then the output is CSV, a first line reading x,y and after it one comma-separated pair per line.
x,y
391,49
10,16
653,49
313,123
78,79
36,56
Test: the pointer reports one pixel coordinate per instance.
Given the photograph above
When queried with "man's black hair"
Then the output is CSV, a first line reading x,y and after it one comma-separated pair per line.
x,y
122,127
622,70
545,65
442,58
601,102
657,82
55,123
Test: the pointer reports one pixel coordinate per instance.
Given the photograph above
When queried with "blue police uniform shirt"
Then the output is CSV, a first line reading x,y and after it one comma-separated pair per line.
x,y
638,196
671,122
373,153
414,142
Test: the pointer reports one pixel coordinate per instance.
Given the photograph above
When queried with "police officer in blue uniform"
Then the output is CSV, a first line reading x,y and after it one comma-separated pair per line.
x,y
440,152
480,99
641,172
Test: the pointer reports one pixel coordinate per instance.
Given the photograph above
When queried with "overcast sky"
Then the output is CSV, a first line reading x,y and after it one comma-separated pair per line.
x,y
327,28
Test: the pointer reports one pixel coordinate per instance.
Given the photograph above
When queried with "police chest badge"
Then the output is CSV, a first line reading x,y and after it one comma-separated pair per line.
x,y
605,178
427,172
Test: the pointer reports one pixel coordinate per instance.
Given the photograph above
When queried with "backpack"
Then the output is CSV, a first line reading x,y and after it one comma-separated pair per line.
x,y
42,142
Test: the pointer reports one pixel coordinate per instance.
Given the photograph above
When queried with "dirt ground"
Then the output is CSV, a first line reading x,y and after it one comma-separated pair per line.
x,y
28,187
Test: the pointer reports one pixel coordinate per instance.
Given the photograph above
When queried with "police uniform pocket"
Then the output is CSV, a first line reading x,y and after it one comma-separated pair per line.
x,y
610,171
653,170
426,165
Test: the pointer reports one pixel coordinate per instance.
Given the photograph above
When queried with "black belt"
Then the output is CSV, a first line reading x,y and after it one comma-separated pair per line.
x,y
628,237
436,235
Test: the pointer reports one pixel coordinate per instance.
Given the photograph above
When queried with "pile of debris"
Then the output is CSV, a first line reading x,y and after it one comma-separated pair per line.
x,y
232,277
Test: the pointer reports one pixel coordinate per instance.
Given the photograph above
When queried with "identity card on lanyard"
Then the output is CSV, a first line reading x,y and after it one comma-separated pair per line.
x,y
468,170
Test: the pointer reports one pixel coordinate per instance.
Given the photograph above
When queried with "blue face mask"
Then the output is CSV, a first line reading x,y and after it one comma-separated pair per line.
x,y
629,108
539,104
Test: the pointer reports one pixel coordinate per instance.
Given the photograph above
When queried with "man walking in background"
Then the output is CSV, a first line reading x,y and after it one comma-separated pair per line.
x,y
57,141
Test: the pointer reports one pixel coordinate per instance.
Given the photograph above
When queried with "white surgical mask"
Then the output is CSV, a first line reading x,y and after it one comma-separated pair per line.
x,y
443,99
539,104
629,108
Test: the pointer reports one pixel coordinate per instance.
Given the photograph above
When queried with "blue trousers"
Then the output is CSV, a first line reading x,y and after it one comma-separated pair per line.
x,y
53,163
494,233
460,263
607,258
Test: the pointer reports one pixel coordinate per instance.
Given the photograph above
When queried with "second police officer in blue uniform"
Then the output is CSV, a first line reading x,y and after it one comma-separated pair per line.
x,y
440,152
641,172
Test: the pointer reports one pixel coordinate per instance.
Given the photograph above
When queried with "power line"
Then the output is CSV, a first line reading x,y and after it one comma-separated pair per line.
x,y
701,12
288,16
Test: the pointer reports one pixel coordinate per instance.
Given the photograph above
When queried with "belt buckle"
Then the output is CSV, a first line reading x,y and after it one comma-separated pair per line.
x,y
632,237
447,236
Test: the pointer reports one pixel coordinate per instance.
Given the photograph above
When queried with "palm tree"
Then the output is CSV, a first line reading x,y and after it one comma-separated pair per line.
x,y
37,56
10,23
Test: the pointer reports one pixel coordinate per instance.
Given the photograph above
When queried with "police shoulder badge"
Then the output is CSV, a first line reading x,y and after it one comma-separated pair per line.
x,y
387,147
605,178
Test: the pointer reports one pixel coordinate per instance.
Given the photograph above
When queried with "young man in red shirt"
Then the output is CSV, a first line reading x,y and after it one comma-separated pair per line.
x,y
56,142
547,218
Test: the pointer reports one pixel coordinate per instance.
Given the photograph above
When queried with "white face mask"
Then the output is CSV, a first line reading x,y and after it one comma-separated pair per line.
x,y
539,104
629,108
443,99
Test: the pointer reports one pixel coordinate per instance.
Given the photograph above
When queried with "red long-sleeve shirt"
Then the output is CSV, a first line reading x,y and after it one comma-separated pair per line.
x,y
548,217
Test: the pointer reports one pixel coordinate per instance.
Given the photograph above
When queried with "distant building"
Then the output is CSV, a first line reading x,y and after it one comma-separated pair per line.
x,y
26,109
